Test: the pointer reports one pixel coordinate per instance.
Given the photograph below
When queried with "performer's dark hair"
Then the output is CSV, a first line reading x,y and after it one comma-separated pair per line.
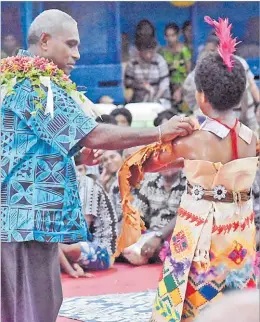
x,y
123,111
223,88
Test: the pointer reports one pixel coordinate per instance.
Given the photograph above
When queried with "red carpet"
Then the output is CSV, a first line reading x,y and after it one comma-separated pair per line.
x,y
122,278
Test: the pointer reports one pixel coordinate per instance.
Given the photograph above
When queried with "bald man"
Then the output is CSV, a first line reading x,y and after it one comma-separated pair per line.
x,y
39,195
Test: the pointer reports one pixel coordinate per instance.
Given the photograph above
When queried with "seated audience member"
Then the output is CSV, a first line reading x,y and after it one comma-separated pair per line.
x,y
237,306
111,163
163,117
178,58
122,116
100,216
246,111
147,74
158,200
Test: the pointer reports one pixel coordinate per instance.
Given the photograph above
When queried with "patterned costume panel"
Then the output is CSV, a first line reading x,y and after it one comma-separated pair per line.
x,y
212,248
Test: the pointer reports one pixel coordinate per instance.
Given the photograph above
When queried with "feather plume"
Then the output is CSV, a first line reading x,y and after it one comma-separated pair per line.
x,y
227,44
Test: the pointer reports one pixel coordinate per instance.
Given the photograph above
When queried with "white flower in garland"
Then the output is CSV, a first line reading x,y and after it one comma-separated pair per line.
x,y
219,192
197,192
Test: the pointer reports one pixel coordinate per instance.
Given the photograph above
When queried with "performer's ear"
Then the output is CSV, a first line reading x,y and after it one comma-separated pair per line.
x,y
201,98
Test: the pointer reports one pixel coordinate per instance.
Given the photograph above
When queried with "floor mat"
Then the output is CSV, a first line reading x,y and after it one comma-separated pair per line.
x,y
129,307
122,278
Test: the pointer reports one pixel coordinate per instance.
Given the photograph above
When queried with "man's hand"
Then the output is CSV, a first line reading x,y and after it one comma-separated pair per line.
x,y
151,247
89,157
177,126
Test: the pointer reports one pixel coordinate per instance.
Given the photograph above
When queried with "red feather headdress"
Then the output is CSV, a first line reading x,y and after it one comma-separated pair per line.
x,y
227,45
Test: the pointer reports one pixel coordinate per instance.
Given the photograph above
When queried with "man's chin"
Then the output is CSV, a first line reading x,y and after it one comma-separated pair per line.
x,y
67,71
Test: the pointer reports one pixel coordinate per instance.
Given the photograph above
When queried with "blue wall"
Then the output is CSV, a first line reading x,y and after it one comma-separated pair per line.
x,y
101,23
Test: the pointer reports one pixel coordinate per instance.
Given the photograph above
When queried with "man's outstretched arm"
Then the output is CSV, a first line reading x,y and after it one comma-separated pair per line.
x,y
112,137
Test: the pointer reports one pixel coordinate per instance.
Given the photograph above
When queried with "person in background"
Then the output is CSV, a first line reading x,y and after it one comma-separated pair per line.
x,y
178,58
10,45
144,29
122,116
96,253
158,200
163,117
111,162
187,34
147,74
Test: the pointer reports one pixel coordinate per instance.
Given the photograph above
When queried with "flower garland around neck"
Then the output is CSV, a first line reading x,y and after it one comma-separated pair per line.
x,y
18,68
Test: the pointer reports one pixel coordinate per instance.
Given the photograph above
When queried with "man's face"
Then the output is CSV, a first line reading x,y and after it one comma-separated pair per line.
x,y
171,36
147,55
62,48
10,43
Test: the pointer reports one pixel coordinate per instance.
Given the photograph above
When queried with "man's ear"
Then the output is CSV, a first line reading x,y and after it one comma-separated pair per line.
x,y
44,40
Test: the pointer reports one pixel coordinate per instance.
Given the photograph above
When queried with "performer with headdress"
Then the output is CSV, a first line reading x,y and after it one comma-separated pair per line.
x,y
212,248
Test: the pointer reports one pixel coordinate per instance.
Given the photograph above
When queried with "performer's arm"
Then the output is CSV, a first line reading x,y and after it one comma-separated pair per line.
x,y
170,159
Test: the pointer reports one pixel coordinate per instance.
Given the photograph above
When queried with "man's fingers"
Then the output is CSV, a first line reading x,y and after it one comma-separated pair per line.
x,y
185,126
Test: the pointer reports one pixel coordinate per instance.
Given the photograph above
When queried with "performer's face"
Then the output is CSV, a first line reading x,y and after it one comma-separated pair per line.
x,y
62,48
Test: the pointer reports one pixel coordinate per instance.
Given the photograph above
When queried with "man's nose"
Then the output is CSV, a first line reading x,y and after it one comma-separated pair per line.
x,y
76,54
